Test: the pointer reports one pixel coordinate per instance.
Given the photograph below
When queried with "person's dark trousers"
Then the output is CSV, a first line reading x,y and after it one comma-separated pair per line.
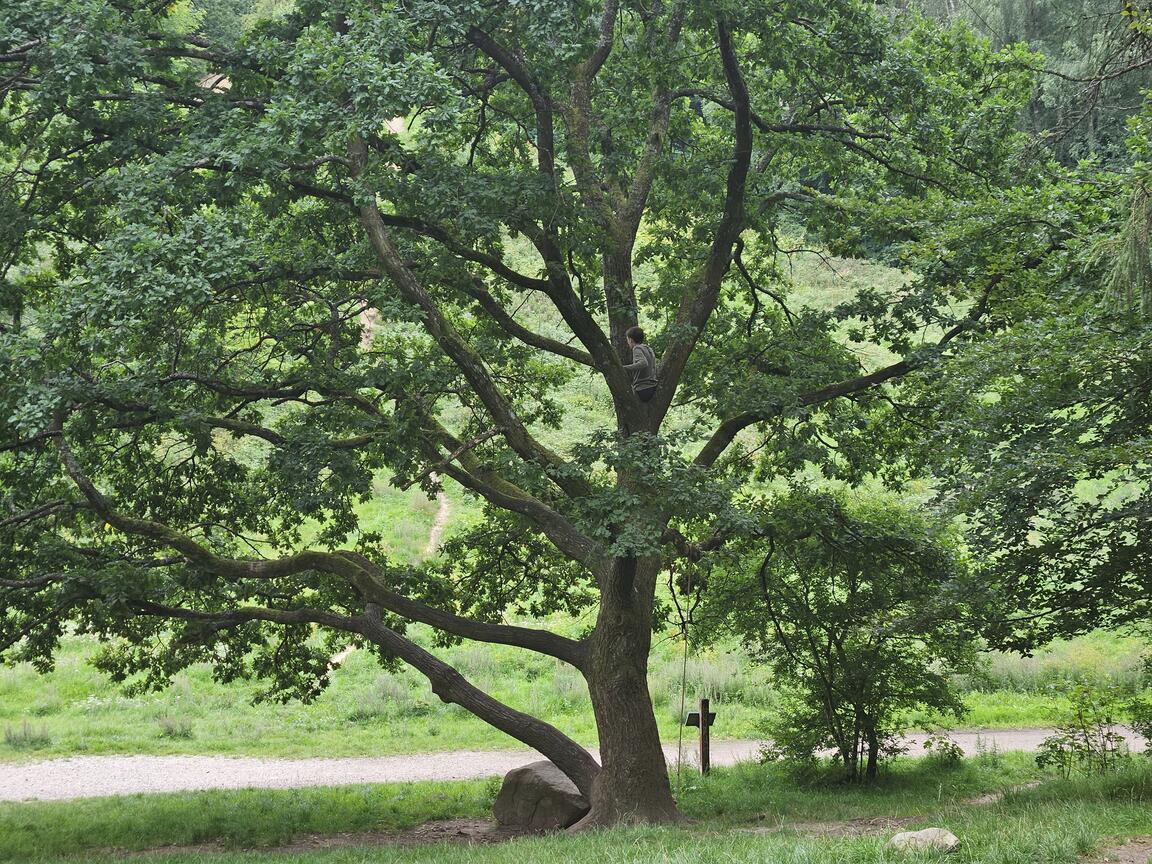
x,y
646,394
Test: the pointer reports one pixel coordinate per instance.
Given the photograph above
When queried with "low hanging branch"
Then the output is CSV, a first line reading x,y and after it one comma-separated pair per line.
x,y
367,577
452,457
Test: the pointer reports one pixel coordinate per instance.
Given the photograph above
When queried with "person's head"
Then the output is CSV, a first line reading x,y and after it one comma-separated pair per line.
x,y
635,336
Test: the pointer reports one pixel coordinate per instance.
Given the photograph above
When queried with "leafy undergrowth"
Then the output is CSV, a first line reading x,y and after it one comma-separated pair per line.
x,y
747,813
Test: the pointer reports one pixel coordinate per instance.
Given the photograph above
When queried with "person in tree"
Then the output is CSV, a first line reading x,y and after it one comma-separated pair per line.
x,y
643,365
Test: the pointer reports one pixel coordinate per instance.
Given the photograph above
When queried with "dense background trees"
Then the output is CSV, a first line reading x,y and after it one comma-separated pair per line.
x,y
1094,66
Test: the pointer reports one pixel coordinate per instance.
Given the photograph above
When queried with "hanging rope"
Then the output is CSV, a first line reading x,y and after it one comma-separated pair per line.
x,y
684,619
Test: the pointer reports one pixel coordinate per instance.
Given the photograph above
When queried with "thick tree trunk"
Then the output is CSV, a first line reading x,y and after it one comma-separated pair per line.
x,y
620,297
632,786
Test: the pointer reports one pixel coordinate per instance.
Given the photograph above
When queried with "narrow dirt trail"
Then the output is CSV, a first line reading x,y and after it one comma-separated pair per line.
x,y
443,514
92,776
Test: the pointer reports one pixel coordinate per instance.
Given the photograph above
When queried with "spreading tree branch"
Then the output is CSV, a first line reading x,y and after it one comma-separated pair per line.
x,y
445,335
697,307
352,566
446,681
541,101
475,289
471,473
726,433
543,237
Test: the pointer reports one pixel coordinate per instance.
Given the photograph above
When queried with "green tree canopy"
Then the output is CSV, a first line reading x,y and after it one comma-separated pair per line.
x,y
1094,66
192,408
1045,436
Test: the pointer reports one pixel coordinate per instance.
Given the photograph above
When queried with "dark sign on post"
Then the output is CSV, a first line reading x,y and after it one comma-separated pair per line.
x,y
694,718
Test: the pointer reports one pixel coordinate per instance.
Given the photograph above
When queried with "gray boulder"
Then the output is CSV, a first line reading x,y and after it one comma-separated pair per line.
x,y
937,839
539,796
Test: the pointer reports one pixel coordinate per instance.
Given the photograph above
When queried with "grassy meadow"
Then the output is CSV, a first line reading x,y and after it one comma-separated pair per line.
x,y
368,711
741,814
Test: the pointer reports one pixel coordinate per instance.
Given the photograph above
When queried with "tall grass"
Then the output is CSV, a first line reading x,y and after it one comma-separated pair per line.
x,y
241,817
25,736
367,711
1099,659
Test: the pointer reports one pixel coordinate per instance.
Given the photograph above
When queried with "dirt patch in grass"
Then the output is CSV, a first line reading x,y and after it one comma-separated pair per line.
x,y
1136,850
997,797
464,831
467,831
862,827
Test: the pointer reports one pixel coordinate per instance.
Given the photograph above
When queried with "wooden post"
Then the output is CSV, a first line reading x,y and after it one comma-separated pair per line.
x,y
705,764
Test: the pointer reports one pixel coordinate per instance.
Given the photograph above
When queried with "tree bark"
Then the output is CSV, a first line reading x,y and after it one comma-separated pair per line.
x,y
620,297
873,753
632,786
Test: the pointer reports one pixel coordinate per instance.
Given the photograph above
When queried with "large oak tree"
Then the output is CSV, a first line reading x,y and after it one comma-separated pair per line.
x,y
192,234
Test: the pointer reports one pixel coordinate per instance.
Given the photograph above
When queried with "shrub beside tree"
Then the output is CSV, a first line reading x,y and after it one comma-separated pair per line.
x,y
862,608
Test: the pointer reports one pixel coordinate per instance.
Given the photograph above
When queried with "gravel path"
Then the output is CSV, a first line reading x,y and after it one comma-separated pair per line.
x,y
90,776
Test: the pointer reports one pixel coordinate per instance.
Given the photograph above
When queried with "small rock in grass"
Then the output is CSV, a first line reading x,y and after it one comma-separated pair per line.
x,y
937,839
539,796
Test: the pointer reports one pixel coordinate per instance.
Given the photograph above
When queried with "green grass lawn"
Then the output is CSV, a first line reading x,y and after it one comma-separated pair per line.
x,y
367,711
746,813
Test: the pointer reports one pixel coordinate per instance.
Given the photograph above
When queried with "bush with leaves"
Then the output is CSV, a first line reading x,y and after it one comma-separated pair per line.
x,y
1140,719
863,610
1088,739
942,749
